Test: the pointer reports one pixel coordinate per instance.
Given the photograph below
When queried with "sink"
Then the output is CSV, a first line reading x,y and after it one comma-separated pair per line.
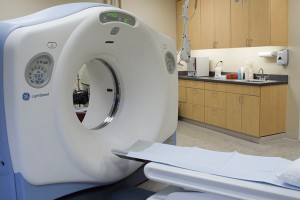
x,y
254,80
257,80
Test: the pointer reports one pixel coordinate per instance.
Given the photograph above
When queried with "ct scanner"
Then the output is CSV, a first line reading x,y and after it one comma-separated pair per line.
x,y
45,151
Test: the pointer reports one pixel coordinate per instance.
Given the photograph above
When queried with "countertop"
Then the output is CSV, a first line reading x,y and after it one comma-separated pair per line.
x,y
253,82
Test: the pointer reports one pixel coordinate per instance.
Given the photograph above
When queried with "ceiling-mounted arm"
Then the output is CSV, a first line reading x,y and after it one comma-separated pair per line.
x,y
186,47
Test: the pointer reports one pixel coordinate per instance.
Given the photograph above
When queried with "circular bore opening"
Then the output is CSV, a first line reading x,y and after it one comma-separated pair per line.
x,y
96,94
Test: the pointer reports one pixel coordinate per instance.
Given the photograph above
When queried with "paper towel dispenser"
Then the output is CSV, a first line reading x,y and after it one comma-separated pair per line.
x,y
283,57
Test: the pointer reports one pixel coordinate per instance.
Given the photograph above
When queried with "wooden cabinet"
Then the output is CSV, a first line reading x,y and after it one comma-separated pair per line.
x,y
215,117
256,111
253,110
243,109
182,91
215,24
279,22
184,110
250,115
193,24
215,99
191,106
250,23
273,109
195,96
231,23
215,104
242,113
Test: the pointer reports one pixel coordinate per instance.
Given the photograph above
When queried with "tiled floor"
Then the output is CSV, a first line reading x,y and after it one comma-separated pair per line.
x,y
194,136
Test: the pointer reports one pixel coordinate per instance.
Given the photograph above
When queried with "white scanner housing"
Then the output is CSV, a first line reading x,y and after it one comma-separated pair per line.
x,y
47,142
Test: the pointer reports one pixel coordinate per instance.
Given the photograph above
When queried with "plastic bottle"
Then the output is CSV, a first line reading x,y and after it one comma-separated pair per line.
x,y
246,73
218,71
242,69
250,72
239,74
247,68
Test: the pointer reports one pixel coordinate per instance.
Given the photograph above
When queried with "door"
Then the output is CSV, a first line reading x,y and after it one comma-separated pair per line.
x,y
250,115
207,24
222,24
259,23
239,23
234,112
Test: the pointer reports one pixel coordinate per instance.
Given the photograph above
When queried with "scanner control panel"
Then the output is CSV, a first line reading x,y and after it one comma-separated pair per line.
x,y
38,70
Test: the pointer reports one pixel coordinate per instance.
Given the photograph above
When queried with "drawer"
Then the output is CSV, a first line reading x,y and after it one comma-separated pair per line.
x,y
195,84
182,94
195,96
181,83
185,110
215,86
216,117
215,99
244,89
198,113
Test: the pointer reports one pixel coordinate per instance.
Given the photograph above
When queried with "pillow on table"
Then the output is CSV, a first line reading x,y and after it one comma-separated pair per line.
x,y
292,174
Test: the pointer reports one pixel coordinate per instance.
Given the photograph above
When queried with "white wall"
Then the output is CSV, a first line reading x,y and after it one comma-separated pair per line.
x,y
158,14
18,8
294,67
234,58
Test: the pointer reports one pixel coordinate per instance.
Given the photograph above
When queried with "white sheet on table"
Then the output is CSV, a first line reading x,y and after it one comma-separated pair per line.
x,y
195,196
227,164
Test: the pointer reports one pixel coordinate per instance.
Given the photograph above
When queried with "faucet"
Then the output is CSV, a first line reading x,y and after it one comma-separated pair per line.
x,y
262,76
218,63
262,73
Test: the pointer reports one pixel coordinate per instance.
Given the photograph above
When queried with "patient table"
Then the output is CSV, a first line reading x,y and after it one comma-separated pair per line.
x,y
190,184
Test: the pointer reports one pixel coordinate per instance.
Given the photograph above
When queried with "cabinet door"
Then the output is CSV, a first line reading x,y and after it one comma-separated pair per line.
x,y
194,25
195,96
182,94
215,86
215,99
250,115
279,22
239,23
234,112
185,110
273,109
259,23
207,24
215,117
222,23
215,24
198,113
195,84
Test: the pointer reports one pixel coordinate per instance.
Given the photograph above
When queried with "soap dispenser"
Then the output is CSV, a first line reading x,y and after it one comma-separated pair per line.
x,y
218,70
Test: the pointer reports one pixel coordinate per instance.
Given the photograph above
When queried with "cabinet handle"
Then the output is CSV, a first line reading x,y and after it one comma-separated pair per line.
x,y
242,98
250,42
216,45
195,107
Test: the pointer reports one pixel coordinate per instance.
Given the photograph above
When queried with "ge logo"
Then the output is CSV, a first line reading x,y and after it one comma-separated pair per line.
x,y
26,96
